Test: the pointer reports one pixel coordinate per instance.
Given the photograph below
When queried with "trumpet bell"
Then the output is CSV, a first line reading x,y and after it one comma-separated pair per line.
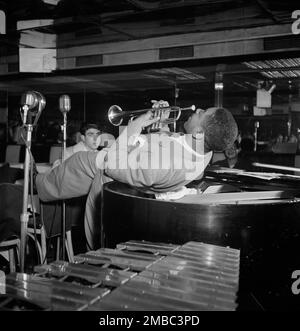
x,y
115,115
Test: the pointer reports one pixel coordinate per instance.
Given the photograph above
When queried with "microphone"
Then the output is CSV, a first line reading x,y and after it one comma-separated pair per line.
x,y
32,105
64,103
29,100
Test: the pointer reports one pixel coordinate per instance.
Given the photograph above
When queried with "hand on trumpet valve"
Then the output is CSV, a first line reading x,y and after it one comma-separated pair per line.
x,y
136,126
160,111
159,104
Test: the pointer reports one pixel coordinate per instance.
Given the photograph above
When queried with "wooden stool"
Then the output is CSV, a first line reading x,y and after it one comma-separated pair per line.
x,y
11,249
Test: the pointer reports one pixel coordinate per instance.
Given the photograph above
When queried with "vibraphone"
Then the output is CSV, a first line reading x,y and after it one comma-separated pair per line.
x,y
137,275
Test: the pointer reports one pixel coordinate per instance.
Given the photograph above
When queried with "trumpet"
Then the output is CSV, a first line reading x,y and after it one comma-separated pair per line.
x,y
116,115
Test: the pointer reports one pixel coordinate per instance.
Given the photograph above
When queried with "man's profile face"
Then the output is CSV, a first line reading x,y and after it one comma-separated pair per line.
x,y
91,138
194,124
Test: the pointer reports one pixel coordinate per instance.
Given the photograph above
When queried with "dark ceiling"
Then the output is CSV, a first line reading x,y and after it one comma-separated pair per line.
x,y
194,80
88,14
137,10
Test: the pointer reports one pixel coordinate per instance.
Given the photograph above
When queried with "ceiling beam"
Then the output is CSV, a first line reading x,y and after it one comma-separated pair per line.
x,y
263,6
108,26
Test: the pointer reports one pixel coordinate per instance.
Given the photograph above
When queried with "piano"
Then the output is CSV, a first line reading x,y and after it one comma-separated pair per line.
x,y
259,214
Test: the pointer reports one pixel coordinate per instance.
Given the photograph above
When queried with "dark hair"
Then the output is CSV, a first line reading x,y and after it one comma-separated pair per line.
x,y
220,130
85,126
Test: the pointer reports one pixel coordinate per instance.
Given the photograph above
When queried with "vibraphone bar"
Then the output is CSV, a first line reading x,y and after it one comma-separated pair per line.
x,y
137,275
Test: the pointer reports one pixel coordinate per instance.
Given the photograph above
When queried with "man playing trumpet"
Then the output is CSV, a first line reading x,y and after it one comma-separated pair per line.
x,y
150,162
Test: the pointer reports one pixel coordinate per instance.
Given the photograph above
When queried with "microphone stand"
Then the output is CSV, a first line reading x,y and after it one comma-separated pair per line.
x,y
33,99
28,115
64,146
25,215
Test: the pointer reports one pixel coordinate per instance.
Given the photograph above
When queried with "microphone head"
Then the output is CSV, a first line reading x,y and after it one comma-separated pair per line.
x,y
64,103
41,101
32,105
30,99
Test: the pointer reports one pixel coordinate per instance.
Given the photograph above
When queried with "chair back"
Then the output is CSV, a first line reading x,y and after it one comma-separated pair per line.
x,y
55,153
12,153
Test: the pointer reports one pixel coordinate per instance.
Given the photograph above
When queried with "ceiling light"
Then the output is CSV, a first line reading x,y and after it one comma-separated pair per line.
x,y
51,2
273,64
284,64
219,86
178,73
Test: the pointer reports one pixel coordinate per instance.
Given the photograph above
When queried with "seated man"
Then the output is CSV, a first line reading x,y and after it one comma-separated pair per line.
x,y
153,162
90,140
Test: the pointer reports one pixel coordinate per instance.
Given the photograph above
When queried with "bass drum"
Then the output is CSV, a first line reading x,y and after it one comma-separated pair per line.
x,y
266,232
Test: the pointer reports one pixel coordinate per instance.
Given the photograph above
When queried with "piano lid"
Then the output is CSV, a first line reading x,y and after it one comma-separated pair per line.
x,y
242,180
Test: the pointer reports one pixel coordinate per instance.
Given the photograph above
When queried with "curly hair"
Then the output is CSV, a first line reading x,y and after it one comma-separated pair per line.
x,y
220,130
